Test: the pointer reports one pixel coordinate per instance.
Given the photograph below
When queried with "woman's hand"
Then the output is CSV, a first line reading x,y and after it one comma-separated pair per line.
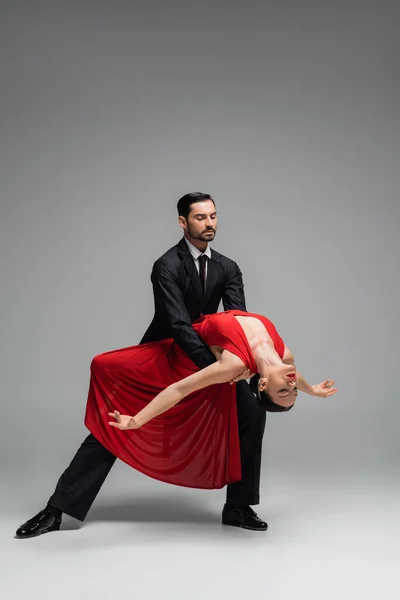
x,y
122,421
324,389
246,374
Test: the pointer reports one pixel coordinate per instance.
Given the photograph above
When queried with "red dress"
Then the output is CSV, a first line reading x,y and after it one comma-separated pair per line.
x,y
196,442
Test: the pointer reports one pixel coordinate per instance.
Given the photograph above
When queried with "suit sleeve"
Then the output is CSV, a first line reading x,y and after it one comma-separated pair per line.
x,y
171,304
233,295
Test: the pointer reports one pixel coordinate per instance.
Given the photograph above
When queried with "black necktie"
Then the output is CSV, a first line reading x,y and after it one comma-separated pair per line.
x,y
202,271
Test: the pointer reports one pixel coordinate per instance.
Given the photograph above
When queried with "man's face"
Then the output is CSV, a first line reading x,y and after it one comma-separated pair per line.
x,y
201,223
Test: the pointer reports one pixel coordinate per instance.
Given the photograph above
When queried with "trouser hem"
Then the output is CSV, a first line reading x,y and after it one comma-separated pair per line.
x,y
79,516
243,500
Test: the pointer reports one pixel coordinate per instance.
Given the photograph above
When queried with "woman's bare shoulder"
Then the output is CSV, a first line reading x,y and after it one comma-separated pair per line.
x,y
228,358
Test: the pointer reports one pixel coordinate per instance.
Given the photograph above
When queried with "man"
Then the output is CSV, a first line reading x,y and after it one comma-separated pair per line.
x,y
190,279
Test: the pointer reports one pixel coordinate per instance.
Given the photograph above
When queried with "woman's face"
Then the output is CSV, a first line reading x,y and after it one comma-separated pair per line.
x,y
281,385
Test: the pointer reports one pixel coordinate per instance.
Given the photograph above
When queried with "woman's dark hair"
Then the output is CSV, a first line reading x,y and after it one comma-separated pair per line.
x,y
266,402
185,203
265,399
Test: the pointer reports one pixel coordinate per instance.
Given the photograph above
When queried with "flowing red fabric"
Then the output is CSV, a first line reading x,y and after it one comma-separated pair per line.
x,y
196,442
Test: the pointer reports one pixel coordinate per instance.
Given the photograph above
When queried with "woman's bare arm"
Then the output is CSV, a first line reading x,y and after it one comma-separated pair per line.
x,y
227,368
323,390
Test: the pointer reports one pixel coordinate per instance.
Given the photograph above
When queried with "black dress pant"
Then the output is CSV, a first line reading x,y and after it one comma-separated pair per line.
x,y
80,483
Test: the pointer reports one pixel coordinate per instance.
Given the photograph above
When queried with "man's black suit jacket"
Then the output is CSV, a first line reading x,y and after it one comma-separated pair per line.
x,y
179,299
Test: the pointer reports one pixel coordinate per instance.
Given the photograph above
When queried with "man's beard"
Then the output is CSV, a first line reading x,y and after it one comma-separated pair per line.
x,y
204,236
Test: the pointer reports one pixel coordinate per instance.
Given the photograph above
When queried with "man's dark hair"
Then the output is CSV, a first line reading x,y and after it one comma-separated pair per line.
x,y
265,399
185,203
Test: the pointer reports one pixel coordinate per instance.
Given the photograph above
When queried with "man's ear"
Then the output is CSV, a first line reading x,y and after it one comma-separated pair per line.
x,y
182,222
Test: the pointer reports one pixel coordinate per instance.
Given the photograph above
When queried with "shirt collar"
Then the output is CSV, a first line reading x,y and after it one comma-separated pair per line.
x,y
195,252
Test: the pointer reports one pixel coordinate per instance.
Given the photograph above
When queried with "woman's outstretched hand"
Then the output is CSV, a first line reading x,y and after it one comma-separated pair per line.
x,y
324,389
122,421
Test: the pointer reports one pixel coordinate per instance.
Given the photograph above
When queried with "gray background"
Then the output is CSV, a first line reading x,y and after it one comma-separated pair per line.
x,y
287,112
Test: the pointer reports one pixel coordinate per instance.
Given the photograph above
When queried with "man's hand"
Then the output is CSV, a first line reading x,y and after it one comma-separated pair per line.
x,y
246,374
324,389
122,421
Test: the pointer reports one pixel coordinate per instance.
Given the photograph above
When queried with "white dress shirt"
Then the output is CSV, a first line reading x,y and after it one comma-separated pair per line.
x,y
195,252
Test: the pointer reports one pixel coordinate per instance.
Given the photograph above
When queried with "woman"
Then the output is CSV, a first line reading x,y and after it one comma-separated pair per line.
x,y
185,419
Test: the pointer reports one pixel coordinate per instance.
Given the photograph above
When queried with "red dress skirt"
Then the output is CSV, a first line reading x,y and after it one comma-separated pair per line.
x,y
196,442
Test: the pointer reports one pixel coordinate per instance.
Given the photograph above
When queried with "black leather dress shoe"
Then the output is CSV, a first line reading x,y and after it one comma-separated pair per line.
x,y
243,516
43,522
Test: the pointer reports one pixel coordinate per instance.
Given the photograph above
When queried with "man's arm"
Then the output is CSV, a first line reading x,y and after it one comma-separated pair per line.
x,y
170,301
233,296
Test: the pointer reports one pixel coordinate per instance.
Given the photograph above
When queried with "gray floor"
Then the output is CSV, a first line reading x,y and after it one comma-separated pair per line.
x,y
329,537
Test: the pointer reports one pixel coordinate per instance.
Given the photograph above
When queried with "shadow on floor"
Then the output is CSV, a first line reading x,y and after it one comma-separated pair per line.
x,y
160,509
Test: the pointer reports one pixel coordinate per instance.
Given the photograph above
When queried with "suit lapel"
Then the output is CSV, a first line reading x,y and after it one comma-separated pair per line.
x,y
212,272
190,269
